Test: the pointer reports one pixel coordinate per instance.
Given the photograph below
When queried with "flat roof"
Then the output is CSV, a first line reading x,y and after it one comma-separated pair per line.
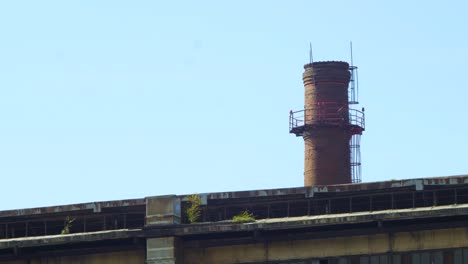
x,y
230,227
96,207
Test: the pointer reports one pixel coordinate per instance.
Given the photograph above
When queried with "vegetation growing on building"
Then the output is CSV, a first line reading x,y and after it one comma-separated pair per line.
x,y
244,217
68,225
193,212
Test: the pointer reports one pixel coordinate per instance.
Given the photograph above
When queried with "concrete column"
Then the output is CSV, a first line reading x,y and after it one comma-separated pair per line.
x,y
163,250
163,210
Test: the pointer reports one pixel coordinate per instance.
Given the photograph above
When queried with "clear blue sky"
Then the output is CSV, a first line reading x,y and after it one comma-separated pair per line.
x,y
104,100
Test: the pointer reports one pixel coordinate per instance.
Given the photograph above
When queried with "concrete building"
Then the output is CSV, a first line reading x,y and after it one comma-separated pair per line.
x,y
409,221
333,219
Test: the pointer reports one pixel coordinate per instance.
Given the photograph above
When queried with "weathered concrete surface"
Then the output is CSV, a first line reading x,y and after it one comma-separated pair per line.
x,y
416,184
271,251
325,220
275,239
229,227
123,257
69,239
163,210
95,207
163,250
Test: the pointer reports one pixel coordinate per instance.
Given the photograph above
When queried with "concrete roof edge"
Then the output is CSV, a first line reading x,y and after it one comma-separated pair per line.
x,y
93,206
325,220
69,238
417,183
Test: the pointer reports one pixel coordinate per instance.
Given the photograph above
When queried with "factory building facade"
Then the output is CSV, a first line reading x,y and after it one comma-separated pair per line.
x,y
409,221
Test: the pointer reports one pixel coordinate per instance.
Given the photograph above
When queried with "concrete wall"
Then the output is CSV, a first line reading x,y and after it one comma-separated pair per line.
x,y
123,257
329,247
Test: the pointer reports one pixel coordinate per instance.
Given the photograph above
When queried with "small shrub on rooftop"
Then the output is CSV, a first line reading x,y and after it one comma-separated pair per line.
x,y
244,217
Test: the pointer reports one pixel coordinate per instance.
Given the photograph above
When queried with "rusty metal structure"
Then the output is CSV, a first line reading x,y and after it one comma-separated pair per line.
x,y
330,128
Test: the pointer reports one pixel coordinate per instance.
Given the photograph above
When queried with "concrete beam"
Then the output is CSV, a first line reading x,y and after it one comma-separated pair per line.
x,y
68,239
